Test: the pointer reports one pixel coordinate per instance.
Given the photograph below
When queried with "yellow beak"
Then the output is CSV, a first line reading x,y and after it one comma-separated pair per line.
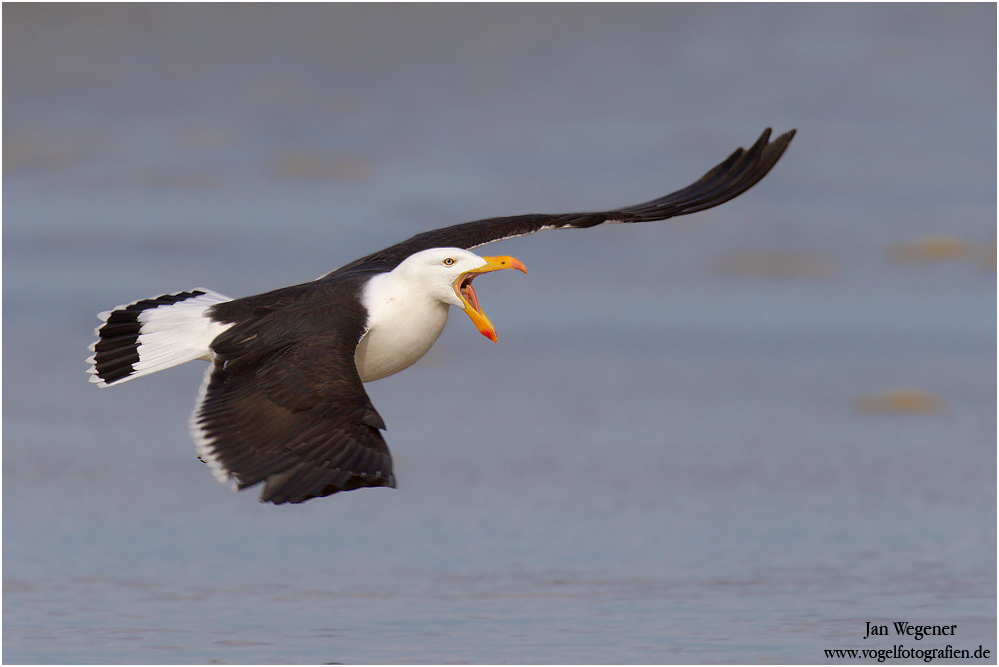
x,y
470,300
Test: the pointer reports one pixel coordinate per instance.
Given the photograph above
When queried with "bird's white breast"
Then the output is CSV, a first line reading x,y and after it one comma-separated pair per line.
x,y
403,324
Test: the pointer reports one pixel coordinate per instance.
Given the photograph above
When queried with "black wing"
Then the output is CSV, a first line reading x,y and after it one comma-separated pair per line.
x,y
742,170
283,402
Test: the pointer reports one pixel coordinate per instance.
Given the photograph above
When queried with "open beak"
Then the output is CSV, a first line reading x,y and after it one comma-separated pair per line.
x,y
463,288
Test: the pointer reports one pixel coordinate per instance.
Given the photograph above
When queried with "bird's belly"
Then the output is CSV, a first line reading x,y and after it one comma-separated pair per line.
x,y
391,347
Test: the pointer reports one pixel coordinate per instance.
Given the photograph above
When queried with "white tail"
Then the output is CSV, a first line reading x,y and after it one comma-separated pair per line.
x,y
153,334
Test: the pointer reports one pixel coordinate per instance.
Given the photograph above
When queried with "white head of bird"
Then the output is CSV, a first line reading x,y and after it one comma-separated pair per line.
x,y
407,307
447,273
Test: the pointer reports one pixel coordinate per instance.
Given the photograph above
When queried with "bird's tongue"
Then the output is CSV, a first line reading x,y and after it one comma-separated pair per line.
x,y
474,311
471,297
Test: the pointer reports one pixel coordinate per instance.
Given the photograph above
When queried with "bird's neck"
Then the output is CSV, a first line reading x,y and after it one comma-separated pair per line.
x,y
404,322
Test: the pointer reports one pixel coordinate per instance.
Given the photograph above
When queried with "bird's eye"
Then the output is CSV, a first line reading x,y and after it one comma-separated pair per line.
x,y
448,261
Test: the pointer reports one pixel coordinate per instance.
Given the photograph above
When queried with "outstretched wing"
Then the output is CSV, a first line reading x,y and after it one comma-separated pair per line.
x,y
282,402
742,170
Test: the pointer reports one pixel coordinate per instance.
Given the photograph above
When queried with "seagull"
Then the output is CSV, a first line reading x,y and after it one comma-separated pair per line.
x,y
282,402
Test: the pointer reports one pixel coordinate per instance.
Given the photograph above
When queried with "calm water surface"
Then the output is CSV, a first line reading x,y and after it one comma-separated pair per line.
x,y
670,457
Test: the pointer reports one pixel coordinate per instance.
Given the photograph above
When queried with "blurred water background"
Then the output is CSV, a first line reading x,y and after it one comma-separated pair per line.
x,y
734,437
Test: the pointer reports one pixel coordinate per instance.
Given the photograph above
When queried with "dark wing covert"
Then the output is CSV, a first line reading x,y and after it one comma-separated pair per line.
x,y
286,406
740,171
